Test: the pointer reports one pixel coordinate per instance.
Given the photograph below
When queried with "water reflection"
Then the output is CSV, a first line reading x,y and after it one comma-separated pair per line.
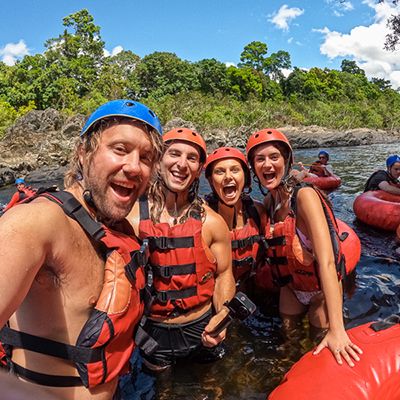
x,y
257,356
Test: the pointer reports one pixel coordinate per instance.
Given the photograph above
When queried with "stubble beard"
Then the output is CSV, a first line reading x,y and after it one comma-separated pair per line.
x,y
106,212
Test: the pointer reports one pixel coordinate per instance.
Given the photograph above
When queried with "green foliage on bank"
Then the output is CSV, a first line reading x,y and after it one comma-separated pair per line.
x,y
74,75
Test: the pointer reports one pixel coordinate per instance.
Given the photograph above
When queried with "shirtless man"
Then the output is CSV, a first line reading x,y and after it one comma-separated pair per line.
x,y
59,272
190,256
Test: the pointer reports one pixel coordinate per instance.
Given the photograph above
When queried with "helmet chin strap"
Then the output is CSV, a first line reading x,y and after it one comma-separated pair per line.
x,y
87,196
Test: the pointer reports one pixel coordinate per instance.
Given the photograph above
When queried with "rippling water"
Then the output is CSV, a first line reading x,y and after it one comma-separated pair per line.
x,y
257,357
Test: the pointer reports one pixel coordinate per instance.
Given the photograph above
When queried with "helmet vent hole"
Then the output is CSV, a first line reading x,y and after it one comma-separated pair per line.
x,y
180,130
257,135
129,104
152,114
269,132
194,133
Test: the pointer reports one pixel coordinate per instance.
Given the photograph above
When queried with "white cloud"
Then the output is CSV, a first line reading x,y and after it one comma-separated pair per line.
x,y
12,51
230,64
364,44
114,51
290,40
285,15
340,7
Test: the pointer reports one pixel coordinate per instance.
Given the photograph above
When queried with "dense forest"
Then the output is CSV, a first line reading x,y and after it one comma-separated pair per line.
x,y
74,75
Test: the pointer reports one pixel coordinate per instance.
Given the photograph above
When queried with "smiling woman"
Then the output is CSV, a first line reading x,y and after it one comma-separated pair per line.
x,y
228,174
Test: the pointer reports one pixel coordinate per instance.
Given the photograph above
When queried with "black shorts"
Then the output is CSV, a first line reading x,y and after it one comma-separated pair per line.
x,y
177,341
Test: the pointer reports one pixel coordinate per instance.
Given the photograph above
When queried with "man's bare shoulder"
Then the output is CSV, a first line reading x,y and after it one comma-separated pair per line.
x,y
41,218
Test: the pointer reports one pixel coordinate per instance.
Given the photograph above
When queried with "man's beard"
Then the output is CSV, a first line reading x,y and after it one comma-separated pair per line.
x,y
108,214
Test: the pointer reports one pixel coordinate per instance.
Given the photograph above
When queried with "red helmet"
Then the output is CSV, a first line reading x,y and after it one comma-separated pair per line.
x,y
265,136
187,135
228,152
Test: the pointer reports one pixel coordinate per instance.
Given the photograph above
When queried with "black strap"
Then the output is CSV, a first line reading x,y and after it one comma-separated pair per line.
x,y
245,242
244,262
139,258
277,260
74,209
45,379
144,208
50,347
164,296
166,271
251,211
170,243
274,241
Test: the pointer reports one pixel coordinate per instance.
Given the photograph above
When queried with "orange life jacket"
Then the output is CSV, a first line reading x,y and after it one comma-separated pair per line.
x,y
105,343
289,260
182,273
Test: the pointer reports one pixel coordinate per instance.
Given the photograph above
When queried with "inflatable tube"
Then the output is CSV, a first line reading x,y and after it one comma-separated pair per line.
x,y
375,377
351,245
351,248
378,209
324,182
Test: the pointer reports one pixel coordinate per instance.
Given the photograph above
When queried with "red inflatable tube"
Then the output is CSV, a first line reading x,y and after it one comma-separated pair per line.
x,y
351,245
379,209
324,182
375,377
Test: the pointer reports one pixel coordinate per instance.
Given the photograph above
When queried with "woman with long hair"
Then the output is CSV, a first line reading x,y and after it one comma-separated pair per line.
x,y
303,246
229,177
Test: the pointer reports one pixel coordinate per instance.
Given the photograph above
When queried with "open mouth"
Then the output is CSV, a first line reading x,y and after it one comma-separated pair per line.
x,y
179,176
229,191
123,192
269,176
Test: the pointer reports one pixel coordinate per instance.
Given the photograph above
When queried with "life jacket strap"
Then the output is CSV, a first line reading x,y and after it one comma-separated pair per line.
x,y
244,262
242,243
74,209
277,260
45,379
274,241
165,295
167,271
50,347
169,243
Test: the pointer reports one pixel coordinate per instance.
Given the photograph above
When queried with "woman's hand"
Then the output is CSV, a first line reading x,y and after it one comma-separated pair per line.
x,y
341,347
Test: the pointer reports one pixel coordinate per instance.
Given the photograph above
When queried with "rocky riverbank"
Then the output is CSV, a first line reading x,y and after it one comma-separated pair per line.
x,y
38,145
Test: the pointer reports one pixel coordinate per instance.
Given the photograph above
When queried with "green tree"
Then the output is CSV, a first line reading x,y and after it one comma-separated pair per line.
x,y
163,73
254,56
351,67
212,76
244,83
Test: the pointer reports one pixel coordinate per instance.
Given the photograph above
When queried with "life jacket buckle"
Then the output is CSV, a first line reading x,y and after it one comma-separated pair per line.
x,y
162,297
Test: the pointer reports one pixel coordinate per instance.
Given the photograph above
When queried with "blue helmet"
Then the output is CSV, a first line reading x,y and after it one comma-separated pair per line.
x,y
19,180
123,108
324,153
392,160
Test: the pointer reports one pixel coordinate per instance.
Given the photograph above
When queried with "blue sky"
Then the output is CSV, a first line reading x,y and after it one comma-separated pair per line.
x,y
315,32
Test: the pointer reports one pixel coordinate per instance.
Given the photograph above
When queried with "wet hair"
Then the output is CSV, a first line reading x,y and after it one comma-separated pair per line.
x,y
89,144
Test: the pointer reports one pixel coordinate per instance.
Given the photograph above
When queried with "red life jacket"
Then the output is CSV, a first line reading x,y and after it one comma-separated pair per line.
x,y
105,343
288,259
183,275
245,240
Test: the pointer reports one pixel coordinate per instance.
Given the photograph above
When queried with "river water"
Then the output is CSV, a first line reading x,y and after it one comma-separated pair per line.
x,y
256,355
